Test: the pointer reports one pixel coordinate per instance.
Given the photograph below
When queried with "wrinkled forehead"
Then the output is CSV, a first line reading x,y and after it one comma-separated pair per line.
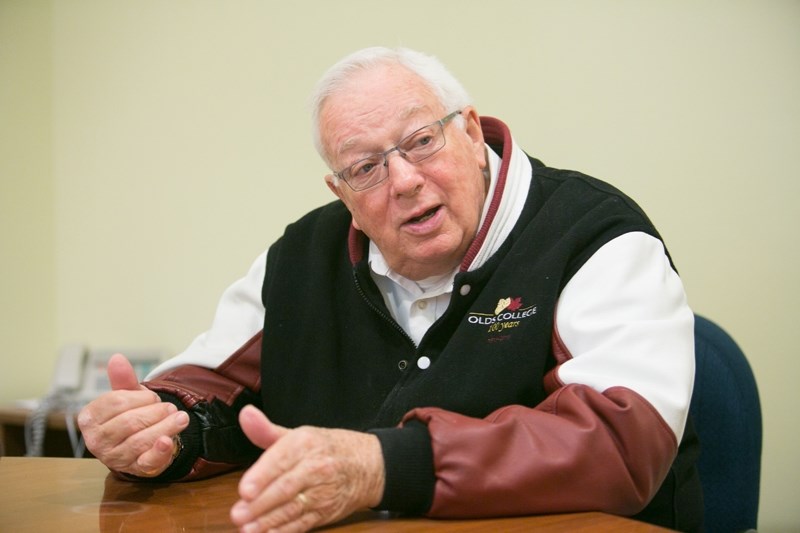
x,y
374,107
402,116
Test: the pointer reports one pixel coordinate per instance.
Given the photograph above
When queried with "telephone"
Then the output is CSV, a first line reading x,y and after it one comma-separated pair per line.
x,y
79,377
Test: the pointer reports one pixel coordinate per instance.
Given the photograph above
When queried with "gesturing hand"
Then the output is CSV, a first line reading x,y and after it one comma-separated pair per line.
x,y
307,476
130,429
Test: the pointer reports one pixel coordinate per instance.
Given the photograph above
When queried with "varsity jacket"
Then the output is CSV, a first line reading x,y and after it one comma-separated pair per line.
x,y
558,379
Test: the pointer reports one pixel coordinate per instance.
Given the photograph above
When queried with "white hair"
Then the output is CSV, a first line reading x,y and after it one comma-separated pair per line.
x,y
447,89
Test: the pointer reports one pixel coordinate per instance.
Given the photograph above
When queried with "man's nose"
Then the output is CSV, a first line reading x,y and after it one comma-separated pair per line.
x,y
404,176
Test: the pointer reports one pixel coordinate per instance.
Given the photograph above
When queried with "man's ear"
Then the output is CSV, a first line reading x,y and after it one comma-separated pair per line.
x,y
329,181
475,132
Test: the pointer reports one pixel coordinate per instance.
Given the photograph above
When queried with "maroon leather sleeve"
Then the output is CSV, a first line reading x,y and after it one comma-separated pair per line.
x,y
207,394
193,383
579,450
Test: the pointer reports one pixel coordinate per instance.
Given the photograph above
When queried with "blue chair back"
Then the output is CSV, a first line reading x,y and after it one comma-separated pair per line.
x,y
727,416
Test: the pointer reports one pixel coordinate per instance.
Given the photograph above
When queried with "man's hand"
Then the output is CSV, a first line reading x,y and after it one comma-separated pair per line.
x,y
307,476
130,429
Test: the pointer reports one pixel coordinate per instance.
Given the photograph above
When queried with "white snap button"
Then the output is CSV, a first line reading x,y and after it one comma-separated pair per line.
x,y
464,290
423,362
422,304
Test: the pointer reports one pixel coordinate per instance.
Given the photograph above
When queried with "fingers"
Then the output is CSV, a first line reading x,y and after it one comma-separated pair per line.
x,y
126,395
296,515
121,374
263,433
258,428
121,440
115,403
336,471
130,429
157,458
149,451
121,426
269,489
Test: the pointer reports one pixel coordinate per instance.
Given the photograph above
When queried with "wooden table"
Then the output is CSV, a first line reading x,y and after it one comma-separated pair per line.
x,y
78,495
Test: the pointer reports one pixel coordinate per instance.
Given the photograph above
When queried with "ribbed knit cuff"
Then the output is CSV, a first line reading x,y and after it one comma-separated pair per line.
x,y
408,460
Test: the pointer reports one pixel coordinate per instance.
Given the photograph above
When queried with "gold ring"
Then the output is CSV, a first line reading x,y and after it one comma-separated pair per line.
x,y
303,499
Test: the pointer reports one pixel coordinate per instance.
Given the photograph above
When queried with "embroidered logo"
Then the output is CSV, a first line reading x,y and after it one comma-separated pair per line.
x,y
508,313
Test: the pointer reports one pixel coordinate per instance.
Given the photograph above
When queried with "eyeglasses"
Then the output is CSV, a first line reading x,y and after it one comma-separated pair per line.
x,y
418,146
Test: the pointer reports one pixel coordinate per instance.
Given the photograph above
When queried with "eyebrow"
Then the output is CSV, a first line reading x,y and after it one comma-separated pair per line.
x,y
403,115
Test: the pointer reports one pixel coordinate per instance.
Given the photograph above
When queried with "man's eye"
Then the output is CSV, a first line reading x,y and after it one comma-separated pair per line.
x,y
420,140
424,141
363,169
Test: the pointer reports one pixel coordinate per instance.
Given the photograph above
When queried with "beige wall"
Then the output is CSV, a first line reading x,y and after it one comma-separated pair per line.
x,y
27,228
150,149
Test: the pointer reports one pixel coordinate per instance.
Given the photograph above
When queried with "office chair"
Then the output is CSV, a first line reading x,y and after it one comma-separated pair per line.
x,y
727,417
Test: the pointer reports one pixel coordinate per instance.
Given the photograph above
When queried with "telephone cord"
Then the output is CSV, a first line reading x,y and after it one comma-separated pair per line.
x,y
36,424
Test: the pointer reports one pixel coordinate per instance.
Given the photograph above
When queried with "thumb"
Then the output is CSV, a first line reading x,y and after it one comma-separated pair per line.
x,y
121,374
258,428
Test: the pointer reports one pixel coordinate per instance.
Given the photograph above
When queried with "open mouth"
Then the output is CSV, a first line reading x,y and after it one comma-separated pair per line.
x,y
424,216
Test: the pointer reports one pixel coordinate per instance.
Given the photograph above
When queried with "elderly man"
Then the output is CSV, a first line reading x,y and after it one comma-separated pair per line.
x,y
464,333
